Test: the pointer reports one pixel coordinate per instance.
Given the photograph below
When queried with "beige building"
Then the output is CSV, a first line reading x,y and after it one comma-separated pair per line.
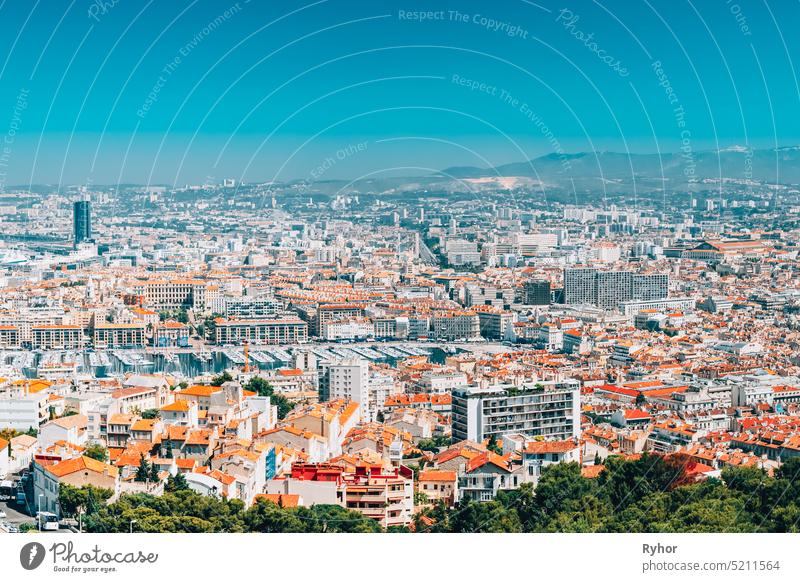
x,y
77,472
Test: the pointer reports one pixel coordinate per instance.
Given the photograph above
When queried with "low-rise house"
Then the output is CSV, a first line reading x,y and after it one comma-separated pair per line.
x,y
438,486
71,429
419,423
631,418
386,495
77,472
313,445
180,413
248,468
118,430
486,474
380,493
23,448
146,430
549,452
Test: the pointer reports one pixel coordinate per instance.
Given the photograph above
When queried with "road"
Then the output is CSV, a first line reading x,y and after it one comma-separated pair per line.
x,y
426,254
14,516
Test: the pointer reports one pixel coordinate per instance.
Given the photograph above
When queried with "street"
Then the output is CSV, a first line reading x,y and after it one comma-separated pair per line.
x,y
12,515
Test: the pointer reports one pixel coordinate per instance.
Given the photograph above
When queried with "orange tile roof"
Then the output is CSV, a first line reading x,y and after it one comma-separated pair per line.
x,y
71,466
434,475
177,406
487,458
144,425
543,447
200,390
281,499
185,463
592,471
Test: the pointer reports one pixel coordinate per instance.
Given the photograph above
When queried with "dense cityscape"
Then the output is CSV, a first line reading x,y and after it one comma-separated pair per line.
x,y
273,273
386,357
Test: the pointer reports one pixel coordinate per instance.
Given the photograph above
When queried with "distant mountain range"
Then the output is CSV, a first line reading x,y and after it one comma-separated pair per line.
x,y
611,173
737,163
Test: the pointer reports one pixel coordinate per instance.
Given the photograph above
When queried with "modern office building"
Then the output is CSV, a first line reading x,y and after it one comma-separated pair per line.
x,y
81,221
613,287
649,286
455,325
580,286
546,409
537,292
607,289
119,335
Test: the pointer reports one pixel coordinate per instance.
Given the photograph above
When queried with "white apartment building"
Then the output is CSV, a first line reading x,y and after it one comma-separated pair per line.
x,y
58,337
441,381
666,304
23,411
252,307
173,294
455,325
348,329
349,380
545,409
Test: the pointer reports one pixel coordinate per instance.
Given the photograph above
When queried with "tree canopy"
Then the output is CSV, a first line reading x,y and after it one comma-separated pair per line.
x,y
97,451
650,494
186,511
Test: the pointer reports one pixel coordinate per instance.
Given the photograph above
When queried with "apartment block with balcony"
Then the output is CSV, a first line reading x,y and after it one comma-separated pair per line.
x,y
260,331
119,335
58,337
546,409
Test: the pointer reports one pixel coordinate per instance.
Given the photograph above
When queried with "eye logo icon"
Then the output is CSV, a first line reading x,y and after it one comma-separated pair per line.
x,y
31,555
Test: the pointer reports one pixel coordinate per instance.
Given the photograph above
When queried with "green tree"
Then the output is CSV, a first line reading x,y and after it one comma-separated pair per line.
x,y
151,413
86,499
283,404
220,379
484,517
143,471
266,517
335,519
179,511
494,446
561,489
96,451
9,433
154,477
176,483
260,386
434,444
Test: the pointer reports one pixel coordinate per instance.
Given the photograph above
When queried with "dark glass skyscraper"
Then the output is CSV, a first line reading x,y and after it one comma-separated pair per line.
x,y
81,221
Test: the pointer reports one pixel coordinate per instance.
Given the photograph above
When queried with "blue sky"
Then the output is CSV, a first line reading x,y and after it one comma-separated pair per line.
x,y
181,92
